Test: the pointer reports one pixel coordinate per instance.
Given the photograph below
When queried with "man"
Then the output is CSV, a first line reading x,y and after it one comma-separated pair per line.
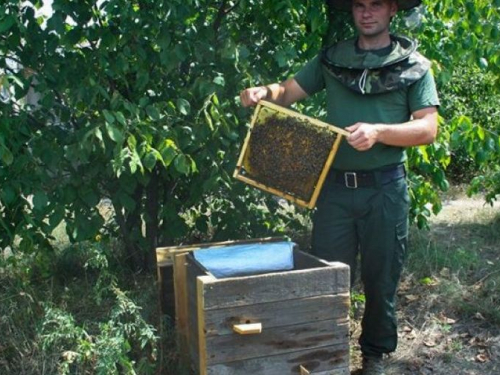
x,y
380,90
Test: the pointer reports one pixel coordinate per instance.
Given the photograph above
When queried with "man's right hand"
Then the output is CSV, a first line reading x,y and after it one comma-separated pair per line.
x,y
251,96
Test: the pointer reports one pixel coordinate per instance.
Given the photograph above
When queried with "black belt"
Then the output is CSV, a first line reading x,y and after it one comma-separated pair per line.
x,y
359,179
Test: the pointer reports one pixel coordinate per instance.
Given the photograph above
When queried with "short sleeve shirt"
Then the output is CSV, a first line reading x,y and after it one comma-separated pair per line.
x,y
346,107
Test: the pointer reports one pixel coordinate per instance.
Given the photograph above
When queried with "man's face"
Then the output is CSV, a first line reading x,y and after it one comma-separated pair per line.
x,y
372,17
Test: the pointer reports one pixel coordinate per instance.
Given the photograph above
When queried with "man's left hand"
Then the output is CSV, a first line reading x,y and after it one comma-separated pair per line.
x,y
363,136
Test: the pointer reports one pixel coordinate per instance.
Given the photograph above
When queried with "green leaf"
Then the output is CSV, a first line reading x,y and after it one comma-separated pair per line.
x,y
150,160
126,201
183,106
219,80
40,200
8,194
153,112
182,164
6,155
57,217
114,133
483,63
7,23
89,196
132,141
108,116
168,152
121,119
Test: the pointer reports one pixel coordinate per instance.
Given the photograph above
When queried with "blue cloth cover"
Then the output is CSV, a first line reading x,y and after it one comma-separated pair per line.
x,y
248,259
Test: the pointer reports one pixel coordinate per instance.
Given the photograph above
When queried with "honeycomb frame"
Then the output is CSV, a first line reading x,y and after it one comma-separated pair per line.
x,y
242,172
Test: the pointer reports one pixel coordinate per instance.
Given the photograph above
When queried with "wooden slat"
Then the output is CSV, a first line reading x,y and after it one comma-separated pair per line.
x,y
271,190
278,314
202,341
192,328
247,139
280,340
304,117
166,290
324,172
330,360
240,291
302,260
181,303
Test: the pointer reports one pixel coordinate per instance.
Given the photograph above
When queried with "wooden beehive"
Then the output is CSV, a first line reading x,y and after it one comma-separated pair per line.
x,y
165,268
279,323
288,154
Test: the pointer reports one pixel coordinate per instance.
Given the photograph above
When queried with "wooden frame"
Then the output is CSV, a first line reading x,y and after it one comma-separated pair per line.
x,y
238,173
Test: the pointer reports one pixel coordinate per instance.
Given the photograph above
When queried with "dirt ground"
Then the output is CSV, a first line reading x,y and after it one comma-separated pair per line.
x,y
433,337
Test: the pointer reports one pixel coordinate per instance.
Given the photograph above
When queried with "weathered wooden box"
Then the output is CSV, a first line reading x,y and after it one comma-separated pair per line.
x,y
287,153
279,323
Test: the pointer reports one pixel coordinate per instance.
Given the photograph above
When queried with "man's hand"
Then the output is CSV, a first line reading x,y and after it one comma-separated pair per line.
x,y
251,96
363,136
421,130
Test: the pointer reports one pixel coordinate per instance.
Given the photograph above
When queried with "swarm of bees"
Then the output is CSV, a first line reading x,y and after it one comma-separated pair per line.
x,y
288,154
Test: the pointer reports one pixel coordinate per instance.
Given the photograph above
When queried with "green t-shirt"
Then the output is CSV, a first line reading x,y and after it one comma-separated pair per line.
x,y
346,107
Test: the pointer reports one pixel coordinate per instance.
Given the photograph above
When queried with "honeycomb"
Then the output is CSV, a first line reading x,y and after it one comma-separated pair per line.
x,y
287,153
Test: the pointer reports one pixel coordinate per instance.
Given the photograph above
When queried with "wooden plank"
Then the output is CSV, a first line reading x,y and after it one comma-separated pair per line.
x,y
166,289
162,255
304,117
280,340
192,325
324,172
247,139
330,360
278,314
302,260
202,341
181,303
271,190
278,286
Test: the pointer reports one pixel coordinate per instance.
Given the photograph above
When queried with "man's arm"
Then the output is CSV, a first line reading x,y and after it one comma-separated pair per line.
x,y
421,130
284,93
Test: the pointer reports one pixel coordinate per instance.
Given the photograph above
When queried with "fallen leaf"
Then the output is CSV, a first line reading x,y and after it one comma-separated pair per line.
x,y
412,297
445,272
446,320
430,343
482,358
479,316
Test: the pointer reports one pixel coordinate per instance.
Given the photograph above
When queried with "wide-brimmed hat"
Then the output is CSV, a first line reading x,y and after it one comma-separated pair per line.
x,y
345,5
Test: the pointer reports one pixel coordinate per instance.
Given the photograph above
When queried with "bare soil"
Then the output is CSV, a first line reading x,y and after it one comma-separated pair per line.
x,y
434,337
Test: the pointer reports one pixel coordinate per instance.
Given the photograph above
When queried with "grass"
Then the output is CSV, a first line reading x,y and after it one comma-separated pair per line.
x,y
83,312
461,255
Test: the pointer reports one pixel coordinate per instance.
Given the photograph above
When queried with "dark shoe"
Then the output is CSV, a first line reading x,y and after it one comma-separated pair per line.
x,y
373,366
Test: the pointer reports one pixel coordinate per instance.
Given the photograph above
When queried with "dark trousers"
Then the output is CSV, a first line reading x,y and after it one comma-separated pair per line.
x,y
371,221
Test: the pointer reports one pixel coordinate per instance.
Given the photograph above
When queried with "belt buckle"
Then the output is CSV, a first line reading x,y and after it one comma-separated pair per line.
x,y
351,176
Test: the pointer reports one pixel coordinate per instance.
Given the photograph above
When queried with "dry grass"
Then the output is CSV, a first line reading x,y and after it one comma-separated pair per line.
x,y
449,295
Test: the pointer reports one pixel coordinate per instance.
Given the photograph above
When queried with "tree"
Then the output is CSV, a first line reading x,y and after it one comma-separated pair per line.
x,y
137,108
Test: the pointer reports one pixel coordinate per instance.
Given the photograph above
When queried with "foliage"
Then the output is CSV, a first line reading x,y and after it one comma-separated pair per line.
x,y
133,104
87,325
